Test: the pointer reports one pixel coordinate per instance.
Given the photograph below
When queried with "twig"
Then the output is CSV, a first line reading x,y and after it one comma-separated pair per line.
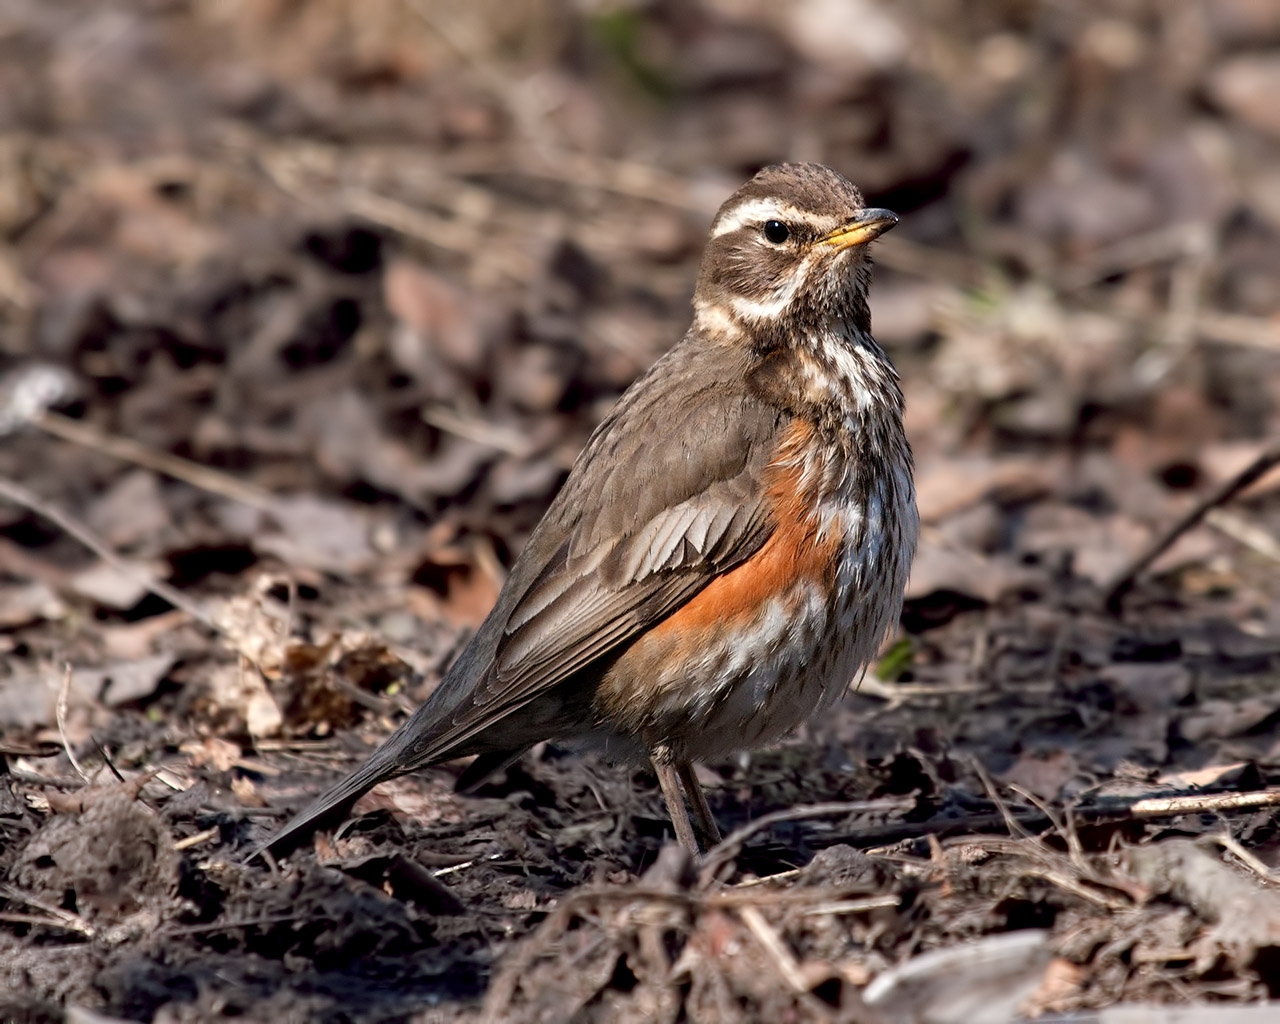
x,y
35,779
1010,822
106,758
127,450
626,178
1158,246
1200,803
47,922
65,918
783,959
1233,846
504,439
1105,809
441,232
780,876
19,495
516,96
1239,529
853,906
1068,884
1187,283
60,712
450,869
218,926
1234,329
197,839
1219,496
723,899
729,847
1066,829
731,897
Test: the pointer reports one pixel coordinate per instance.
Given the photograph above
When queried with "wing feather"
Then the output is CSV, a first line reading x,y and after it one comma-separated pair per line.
x,y
681,507
618,550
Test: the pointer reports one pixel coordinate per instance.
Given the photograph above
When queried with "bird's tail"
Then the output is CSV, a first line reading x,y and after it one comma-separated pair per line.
x,y
402,752
435,732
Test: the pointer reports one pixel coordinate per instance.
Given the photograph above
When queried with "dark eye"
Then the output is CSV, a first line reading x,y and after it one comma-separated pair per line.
x,y
776,232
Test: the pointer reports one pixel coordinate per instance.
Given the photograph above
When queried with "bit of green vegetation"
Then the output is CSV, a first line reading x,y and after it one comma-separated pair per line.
x,y
620,33
895,662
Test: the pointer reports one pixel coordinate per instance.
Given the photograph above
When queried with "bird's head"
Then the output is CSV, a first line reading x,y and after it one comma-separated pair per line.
x,y
787,253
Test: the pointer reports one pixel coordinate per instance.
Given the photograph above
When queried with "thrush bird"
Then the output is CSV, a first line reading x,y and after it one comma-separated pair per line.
x,y
731,546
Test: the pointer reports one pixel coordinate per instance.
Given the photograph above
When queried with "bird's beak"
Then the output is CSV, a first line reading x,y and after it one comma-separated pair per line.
x,y
862,229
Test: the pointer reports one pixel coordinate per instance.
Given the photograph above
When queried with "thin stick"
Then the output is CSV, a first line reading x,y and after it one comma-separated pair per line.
x,y
1107,809
106,758
64,917
1067,830
1010,822
127,450
61,713
1239,529
515,95
19,495
1072,885
1200,803
197,839
1219,496
1256,332
784,960
1233,846
47,922
734,841
852,906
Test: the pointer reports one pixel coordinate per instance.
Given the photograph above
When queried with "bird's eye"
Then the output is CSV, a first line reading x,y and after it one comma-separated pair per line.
x,y
776,232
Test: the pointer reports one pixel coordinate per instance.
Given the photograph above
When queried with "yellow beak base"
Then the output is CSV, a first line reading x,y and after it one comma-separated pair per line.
x,y
868,225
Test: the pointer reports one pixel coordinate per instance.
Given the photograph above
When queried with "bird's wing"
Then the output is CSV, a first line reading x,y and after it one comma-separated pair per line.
x,y
668,494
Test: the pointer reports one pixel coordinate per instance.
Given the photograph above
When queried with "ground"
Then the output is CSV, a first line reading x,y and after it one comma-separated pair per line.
x,y
305,311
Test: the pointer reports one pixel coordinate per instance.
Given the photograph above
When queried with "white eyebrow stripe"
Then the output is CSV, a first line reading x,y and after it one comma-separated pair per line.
x,y
756,211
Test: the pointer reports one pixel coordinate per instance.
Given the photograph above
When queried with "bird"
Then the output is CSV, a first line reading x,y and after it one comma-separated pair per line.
x,y
730,548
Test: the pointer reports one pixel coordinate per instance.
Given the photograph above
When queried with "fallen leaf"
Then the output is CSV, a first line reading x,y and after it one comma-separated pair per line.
x,y
132,509
26,603
319,533
212,750
1221,719
246,792
945,486
1043,773
135,639
124,681
1203,778
938,568
106,585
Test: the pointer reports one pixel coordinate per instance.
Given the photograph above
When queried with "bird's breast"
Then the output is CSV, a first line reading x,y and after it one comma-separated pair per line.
x,y
764,644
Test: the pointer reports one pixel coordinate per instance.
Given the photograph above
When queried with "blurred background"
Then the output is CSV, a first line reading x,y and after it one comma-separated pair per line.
x,y
306,307
396,258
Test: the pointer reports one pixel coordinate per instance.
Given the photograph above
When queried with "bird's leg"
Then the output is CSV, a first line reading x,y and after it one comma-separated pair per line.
x,y
669,780
701,812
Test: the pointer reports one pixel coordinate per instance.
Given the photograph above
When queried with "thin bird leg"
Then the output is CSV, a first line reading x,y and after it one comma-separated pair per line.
x,y
670,783
698,799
